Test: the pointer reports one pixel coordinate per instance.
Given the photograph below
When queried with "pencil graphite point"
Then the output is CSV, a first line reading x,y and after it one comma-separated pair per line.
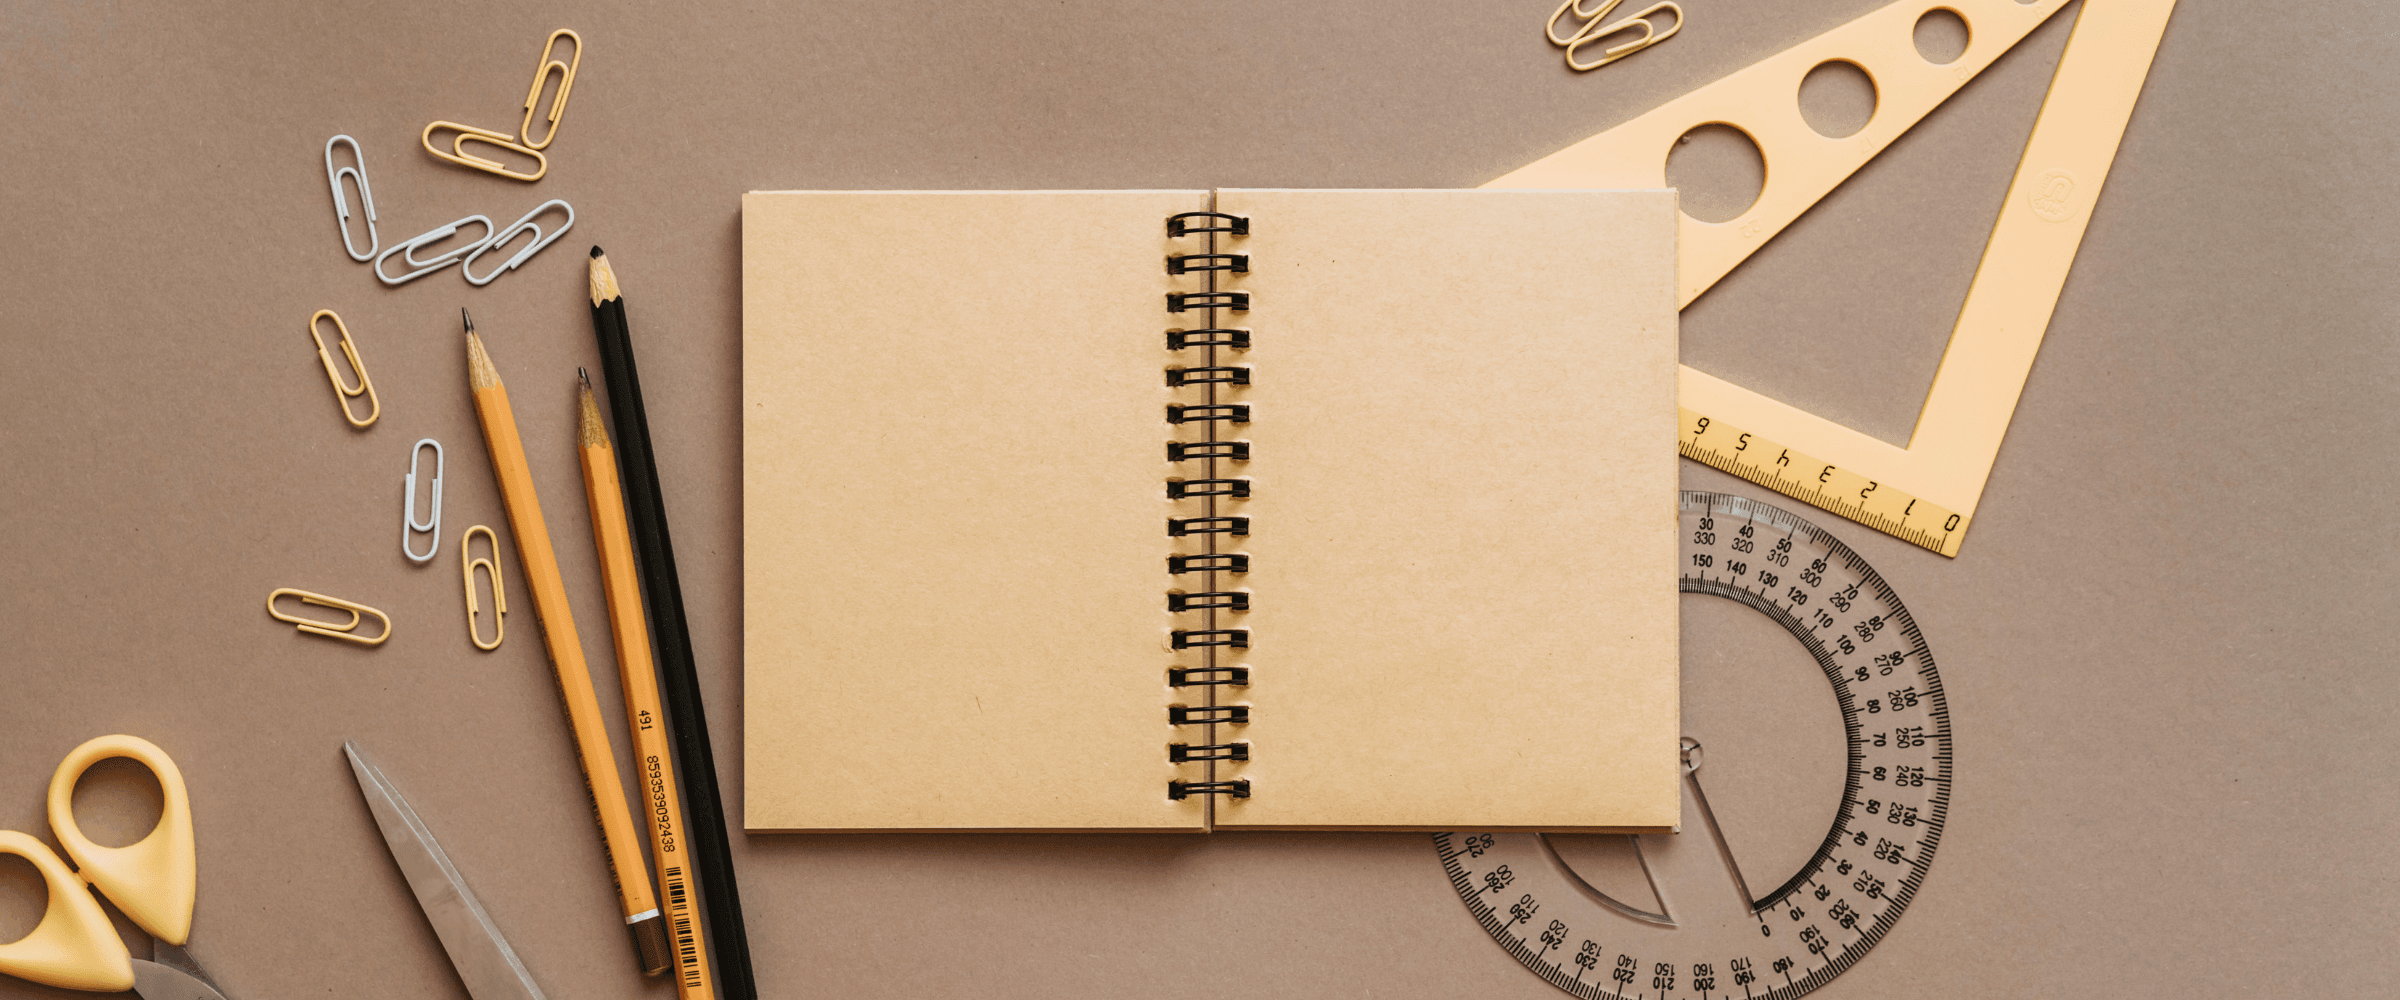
x,y
604,279
466,319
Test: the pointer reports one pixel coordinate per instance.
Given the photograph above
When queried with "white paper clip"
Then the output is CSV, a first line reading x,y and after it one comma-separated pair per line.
x,y
341,204
500,239
408,503
408,251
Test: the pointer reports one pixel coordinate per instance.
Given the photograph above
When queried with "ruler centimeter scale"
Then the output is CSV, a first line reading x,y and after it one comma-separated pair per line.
x,y
1709,936
2008,307
1807,478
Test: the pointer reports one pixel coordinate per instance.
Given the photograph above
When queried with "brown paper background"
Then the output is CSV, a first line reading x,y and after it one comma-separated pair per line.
x,y
2165,641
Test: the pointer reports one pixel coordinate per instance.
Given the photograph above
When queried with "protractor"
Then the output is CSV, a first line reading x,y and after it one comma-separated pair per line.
x,y
1815,784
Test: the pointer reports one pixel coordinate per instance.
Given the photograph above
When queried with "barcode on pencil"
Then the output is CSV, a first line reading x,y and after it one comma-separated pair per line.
x,y
687,946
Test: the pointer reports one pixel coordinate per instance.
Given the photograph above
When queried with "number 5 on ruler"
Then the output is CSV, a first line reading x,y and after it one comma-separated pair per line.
x,y
1924,493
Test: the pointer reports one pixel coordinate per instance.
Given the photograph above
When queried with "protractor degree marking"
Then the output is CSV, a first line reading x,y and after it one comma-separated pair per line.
x,y
1850,723
1539,916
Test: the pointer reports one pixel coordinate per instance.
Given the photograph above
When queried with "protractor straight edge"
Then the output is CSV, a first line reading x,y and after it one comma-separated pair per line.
x,y
1816,786
1736,451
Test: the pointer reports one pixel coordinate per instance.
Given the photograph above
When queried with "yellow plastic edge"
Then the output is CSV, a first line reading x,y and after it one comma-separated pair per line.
x,y
2008,307
74,946
1763,101
153,880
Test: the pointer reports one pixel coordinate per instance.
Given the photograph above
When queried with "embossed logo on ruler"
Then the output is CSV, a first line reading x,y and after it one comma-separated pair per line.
x,y
1925,493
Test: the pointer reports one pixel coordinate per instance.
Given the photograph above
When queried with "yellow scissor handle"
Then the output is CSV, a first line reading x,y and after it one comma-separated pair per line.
x,y
152,880
74,946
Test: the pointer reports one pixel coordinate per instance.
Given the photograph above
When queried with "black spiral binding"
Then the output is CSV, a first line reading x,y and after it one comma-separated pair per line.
x,y
1213,562
1177,227
1180,790
1231,413
1220,374
1237,600
1191,263
1234,338
1238,451
1177,527
1188,301
1209,485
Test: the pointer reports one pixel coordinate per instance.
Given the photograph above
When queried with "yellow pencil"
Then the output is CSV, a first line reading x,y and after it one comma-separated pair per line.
x,y
566,654
662,806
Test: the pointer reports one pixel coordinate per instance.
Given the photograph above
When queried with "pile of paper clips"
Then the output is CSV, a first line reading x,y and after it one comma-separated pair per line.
x,y
418,259
411,523
464,254
558,106
1592,32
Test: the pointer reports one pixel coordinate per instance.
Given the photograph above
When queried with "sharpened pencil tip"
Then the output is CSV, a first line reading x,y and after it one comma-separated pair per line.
x,y
604,279
464,318
590,434
480,373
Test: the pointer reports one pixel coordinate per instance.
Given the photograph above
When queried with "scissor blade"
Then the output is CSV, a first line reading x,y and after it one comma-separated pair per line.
x,y
152,981
484,961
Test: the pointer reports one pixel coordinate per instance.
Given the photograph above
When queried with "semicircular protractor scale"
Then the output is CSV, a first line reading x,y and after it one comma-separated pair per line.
x,y
1698,916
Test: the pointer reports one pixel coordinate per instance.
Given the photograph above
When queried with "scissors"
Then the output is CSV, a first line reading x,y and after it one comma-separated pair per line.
x,y
153,882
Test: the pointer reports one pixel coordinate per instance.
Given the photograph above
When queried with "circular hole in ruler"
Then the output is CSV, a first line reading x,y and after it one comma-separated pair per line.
x,y
1942,36
23,897
1837,98
118,802
1718,171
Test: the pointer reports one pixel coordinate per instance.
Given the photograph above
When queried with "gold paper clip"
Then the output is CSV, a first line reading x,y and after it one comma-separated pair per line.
x,y
468,133
330,629
541,75
1591,31
466,572
342,391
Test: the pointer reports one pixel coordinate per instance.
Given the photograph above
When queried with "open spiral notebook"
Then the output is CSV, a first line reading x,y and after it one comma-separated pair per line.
x,y
1181,510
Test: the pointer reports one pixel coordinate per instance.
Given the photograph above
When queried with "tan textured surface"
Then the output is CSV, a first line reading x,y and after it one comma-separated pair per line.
x,y
954,519
1463,525
1432,438
2167,651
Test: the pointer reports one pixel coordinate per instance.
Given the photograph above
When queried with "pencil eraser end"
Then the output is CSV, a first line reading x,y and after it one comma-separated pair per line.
x,y
650,944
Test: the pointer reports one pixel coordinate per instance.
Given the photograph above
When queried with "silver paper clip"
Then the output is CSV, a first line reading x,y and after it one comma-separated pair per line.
x,y
341,204
500,239
408,251
408,501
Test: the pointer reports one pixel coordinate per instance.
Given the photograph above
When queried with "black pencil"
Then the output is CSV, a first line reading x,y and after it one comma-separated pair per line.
x,y
712,856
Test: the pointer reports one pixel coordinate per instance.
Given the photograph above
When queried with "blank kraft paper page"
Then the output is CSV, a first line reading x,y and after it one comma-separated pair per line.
x,y
1463,510
953,513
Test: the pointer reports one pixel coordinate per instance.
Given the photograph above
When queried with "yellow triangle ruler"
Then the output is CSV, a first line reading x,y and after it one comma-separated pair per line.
x,y
1924,493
